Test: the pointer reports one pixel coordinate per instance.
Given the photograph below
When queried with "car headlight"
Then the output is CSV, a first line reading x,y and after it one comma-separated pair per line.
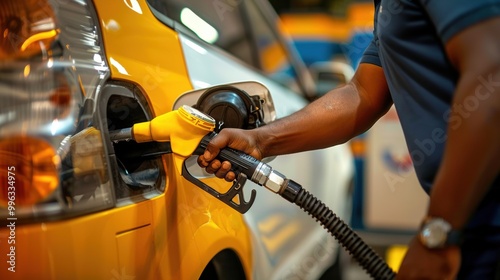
x,y
52,65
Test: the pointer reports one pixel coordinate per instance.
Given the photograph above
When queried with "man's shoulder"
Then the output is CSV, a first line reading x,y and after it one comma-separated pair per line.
x,y
452,16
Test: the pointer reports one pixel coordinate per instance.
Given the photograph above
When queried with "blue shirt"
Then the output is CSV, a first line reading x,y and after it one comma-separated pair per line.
x,y
408,43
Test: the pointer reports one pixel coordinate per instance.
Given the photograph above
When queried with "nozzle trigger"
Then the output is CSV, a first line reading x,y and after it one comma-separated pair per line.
x,y
227,197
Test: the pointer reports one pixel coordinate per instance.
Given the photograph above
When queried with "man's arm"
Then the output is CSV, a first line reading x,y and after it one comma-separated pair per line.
x,y
332,119
470,160
472,153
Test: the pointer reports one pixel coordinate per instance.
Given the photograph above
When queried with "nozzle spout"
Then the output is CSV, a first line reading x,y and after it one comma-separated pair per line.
x,y
183,128
124,134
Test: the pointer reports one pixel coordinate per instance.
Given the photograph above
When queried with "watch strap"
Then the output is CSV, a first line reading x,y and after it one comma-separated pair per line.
x,y
454,238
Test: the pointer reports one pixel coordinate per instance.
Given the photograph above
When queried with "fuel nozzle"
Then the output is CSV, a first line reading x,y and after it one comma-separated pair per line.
x,y
189,131
183,128
255,170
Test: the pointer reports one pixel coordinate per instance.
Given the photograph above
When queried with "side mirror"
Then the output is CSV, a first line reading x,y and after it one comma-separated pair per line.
x,y
330,74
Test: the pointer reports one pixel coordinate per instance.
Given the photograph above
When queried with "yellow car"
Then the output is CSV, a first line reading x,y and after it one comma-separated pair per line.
x,y
75,205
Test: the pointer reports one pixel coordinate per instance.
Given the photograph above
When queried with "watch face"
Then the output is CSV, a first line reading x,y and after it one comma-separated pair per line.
x,y
434,233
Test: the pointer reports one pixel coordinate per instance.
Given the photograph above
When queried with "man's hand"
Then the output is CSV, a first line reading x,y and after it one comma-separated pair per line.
x,y
423,263
238,139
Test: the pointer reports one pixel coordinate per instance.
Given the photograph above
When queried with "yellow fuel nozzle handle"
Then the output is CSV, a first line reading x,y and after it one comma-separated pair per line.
x,y
183,128
189,131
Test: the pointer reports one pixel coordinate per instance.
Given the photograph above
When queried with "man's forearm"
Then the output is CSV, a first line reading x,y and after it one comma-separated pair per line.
x,y
332,119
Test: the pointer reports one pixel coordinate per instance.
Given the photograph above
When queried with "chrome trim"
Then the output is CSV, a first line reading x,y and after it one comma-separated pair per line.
x,y
261,173
79,61
80,34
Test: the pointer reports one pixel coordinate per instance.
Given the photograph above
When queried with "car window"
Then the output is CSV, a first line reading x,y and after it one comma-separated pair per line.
x,y
215,24
273,58
237,27
337,8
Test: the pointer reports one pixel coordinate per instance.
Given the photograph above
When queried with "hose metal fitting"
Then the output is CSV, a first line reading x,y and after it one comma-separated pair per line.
x,y
275,182
264,175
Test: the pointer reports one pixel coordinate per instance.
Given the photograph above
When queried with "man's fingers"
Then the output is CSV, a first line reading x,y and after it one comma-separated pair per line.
x,y
208,156
225,167
220,170
213,166
214,146
202,162
210,152
230,176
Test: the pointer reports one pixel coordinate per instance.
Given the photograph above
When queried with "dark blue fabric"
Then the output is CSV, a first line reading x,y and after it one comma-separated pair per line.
x,y
481,255
451,16
408,44
409,39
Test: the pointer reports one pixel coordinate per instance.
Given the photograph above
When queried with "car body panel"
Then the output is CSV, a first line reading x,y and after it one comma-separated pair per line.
x,y
183,223
142,50
173,249
160,72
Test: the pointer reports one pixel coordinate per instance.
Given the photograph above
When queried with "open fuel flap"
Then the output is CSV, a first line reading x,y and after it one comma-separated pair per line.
x,y
137,169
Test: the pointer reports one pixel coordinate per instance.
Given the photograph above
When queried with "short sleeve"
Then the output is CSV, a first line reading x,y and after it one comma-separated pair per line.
x,y
452,16
371,52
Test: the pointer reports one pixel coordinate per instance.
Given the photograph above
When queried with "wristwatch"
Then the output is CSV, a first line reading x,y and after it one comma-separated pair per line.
x,y
437,233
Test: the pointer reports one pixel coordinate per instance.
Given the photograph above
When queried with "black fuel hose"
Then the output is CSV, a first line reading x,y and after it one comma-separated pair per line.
x,y
368,259
262,174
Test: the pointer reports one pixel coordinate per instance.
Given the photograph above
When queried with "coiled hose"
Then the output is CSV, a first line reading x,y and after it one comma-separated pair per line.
x,y
368,259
